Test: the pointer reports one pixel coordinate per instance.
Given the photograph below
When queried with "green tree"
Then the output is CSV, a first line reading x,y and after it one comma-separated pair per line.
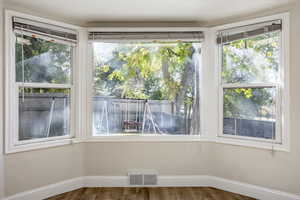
x,y
44,61
251,60
155,71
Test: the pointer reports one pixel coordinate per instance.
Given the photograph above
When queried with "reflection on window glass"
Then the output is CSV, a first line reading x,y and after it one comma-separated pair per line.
x,y
250,112
252,60
43,113
146,88
44,61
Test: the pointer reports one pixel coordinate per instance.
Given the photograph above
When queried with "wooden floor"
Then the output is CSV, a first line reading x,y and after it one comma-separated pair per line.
x,y
182,193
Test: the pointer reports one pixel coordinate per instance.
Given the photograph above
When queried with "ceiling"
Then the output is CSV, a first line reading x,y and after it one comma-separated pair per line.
x,y
83,12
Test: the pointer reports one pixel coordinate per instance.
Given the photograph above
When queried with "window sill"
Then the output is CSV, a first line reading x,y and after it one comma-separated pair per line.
x,y
149,139
252,143
38,145
146,138
196,138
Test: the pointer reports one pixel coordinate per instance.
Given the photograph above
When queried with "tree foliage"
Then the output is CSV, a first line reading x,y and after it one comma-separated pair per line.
x,y
246,61
163,71
157,71
44,61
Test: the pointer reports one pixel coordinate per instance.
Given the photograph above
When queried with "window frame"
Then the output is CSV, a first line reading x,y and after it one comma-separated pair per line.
x,y
281,141
141,137
81,123
12,142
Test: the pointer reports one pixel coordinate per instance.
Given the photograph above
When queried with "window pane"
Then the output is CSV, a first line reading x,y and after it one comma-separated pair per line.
x,y
252,60
44,61
146,88
43,113
250,112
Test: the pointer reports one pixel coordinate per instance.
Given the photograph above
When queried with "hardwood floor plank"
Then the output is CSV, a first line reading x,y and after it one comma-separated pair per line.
x,y
59,197
89,194
220,195
201,193
183,193
152,193
74,195
172,193
142,194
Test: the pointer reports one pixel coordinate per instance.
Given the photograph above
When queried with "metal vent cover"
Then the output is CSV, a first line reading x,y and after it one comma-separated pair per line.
x,y
135,179
142,177
150,179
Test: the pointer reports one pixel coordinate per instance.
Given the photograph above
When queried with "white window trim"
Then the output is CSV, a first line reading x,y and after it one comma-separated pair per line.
x,y
82,74
141,137
12,144
282,99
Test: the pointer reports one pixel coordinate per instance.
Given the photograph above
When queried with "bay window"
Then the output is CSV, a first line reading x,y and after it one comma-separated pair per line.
x,y
146,82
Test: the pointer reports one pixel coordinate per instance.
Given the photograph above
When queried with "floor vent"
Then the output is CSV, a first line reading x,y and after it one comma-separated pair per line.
x,y
136,179
142,177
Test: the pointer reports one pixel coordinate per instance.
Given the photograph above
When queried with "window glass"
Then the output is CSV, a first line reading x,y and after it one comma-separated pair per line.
x,y
252,60
146,88
250,112
43,113
44,61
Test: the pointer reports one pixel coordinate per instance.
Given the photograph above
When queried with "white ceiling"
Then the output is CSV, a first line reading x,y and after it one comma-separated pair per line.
x,y
87,11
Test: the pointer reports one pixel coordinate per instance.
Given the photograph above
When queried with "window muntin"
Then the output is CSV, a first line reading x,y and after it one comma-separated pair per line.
x,y
44,61
155,81
250,87
43,113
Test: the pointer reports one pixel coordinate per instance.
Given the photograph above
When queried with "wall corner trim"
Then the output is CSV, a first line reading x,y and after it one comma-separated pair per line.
x,y
163,181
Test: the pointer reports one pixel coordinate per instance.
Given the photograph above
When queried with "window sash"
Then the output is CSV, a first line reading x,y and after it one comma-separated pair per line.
x,y
44,85
278,119
36,84
70,134
251,85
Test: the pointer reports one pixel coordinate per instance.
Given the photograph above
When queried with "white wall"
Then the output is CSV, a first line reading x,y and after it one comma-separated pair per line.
x,y
260,167
114,159
29,170
1,104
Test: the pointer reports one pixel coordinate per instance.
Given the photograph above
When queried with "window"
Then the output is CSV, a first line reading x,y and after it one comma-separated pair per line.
x,y
40,82
251,81
146,83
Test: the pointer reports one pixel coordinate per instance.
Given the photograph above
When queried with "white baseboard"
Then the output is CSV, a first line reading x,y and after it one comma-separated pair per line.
x,y
250,190
166,181
49,190
163,181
